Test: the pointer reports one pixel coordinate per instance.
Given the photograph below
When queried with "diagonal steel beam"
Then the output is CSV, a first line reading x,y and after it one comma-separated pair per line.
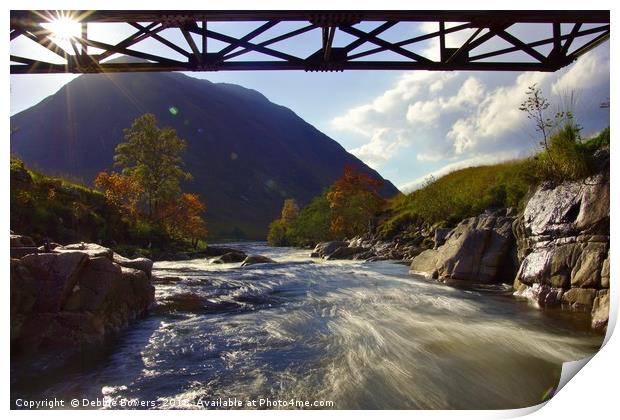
x,y
520,44
542,42
378,30
410,41
278,38
254,47
143,33
571,38
163,40
377,41
256,32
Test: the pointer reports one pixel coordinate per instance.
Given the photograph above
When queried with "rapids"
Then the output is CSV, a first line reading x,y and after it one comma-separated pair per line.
x,y
363,335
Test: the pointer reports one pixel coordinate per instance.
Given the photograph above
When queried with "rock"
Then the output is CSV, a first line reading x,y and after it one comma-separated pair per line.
x,y
165,279
345,252
587,270
256,259
18,241
440,236
230,257
92,250
216,251
323,249
191,302
55,276
424,263
542,295
95,281
600,310
578,298
577,206
605,273
60,336
478,250
143,264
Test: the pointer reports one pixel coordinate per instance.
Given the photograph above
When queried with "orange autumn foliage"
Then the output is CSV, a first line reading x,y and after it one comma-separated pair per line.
x,y
183,218
121,191
354,200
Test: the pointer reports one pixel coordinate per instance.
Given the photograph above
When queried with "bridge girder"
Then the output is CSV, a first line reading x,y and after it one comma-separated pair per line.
x,y
482,40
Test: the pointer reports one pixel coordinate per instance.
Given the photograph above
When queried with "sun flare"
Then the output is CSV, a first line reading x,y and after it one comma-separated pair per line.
x,y
63,28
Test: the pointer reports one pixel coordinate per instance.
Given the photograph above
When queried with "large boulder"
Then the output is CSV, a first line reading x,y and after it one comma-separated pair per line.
x,y
256,259
563,243
92,250
480,249
94,284
54,276
142,264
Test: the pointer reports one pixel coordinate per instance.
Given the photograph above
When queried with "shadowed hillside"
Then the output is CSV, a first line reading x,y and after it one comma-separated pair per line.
x,y
245,153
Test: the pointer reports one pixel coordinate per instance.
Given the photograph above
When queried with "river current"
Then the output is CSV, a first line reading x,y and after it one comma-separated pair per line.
x,y
362,335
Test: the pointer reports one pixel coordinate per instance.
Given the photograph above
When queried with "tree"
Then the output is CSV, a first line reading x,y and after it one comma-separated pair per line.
x,y
122,191
354,200
183,218
151,156
290,210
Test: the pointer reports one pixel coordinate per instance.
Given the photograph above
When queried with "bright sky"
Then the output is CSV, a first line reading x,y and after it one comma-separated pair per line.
x,y
406,125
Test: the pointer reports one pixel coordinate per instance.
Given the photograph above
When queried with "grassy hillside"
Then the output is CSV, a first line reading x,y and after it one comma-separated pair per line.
x,y
460,194
468,192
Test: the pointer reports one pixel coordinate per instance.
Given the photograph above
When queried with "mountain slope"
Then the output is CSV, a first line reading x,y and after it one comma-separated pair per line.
x,y
246,154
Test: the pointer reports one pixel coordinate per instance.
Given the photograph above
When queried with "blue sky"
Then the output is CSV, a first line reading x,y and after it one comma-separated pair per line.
x,y
406,125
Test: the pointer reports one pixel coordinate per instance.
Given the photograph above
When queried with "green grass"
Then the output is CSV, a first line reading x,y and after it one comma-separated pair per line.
x,y
468,192
457,195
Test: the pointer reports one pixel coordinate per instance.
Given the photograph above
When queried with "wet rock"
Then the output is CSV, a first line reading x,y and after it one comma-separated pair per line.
x,y
324,249
256,259
165,279
600,310
579,298
194,303
216,251
92,250
143,264
543,295
345,252
54,275
230,257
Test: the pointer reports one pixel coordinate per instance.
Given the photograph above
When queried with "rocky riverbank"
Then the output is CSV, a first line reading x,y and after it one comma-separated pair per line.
x,y
554,253
67,301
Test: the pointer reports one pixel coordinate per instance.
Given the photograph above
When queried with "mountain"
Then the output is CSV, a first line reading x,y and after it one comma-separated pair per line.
x,y
246,154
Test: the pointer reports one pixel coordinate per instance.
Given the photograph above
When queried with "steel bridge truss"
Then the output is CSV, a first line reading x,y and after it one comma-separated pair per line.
x,y
479,40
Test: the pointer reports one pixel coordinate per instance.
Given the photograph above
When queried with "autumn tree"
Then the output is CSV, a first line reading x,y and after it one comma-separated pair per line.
x,y
354,200
290,210
151,156
122,191
183,218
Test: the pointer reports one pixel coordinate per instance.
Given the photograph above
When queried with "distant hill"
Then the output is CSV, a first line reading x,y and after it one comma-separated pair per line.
x,y
246,153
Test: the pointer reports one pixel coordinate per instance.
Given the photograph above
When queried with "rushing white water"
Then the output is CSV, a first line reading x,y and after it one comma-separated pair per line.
x,y
363,335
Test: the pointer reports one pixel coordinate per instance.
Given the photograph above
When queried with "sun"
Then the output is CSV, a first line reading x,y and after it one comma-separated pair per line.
x,y
63,28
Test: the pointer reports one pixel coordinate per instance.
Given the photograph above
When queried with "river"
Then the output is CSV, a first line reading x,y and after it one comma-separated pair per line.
x,y
362,335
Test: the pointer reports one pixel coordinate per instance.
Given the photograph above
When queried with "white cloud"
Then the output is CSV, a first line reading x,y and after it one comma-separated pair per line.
x,y
461,118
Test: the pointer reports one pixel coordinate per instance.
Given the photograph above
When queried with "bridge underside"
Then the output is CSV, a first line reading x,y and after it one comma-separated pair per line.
x,y
302,40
